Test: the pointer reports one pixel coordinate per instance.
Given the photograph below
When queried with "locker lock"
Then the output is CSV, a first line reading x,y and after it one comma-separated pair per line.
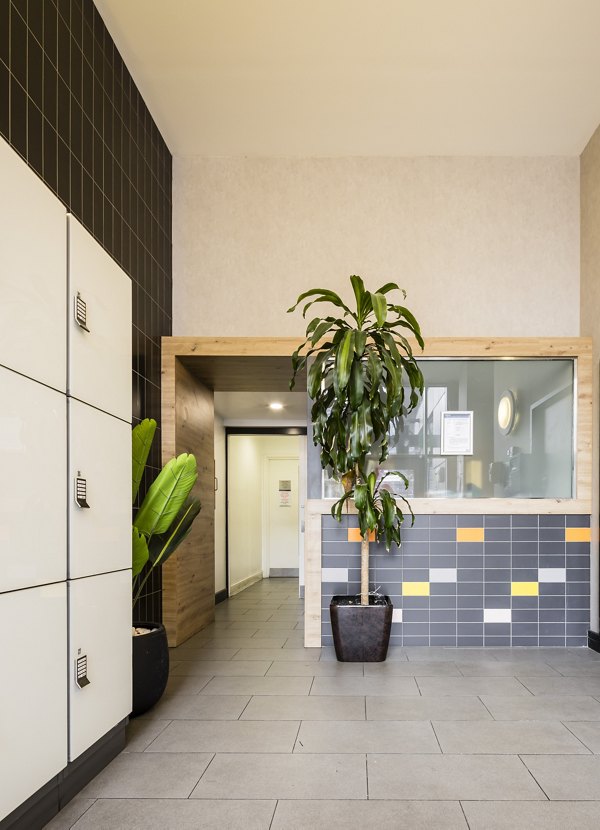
x,y
81,312
81,491
81,669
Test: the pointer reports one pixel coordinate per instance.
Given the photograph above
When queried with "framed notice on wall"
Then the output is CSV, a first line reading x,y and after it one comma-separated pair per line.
x,y
457,433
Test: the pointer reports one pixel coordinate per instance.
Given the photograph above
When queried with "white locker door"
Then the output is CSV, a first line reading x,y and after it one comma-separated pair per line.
x,y
99,326
99,477
33,714
33,507
33,274
99,657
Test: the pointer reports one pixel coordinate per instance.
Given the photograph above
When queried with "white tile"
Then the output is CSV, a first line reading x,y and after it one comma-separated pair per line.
x,y
496,615
334,575
552,575
442,574
397,615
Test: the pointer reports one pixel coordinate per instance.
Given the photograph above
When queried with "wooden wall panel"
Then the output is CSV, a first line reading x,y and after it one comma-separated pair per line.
x,y
189,576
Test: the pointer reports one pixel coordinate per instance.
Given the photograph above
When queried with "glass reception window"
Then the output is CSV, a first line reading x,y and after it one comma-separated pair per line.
x,y
523,432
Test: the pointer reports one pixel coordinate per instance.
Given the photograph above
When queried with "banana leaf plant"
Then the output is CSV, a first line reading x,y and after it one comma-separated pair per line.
x,y
166,514
363,379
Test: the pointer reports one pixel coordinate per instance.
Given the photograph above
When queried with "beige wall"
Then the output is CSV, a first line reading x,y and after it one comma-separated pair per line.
x,y
247,457
484,246
590,315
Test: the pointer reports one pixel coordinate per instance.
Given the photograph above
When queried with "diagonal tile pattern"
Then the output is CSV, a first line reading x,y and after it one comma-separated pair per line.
x,y
255,731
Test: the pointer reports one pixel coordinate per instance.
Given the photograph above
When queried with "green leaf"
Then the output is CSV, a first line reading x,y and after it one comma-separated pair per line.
x,y
167,495
141,441
357,384
360,341
390,286
358,287
380,308
139,552
163,546
343,362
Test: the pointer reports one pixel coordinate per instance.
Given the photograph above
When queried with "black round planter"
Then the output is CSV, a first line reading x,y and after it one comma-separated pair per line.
x,y
361,633
150,667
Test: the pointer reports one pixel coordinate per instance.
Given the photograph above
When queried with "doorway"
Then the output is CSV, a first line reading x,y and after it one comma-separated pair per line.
x,y
264,505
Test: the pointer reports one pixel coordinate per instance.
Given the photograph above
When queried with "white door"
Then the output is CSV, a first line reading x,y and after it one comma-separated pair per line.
x,y
33,451
99,492
33,714
99,657
33,274
99,326
282,527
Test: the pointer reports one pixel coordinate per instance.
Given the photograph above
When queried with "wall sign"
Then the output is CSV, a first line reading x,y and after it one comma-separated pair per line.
x,y
457,433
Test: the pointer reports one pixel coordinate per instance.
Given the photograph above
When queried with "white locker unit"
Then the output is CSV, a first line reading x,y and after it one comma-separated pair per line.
x,y
99,657
33,714
99,326
33,274
33,453
99,492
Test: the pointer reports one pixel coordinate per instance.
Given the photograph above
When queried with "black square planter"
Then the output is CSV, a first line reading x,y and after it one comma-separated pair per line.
x,y
361,633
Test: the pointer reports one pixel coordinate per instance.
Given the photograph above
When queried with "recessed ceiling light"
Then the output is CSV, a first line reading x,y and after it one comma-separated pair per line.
x,y
276,405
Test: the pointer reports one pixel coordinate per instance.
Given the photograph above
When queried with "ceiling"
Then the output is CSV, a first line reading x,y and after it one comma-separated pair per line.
x,y
236,407
347,77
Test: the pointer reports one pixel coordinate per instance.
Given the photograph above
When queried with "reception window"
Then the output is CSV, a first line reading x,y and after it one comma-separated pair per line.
x,y
490,428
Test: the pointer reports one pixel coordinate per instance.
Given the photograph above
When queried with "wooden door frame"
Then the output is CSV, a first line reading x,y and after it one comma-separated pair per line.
x,y
184,611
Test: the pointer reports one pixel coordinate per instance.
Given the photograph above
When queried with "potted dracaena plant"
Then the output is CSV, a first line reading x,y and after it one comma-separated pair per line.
x,y
160,525
362,379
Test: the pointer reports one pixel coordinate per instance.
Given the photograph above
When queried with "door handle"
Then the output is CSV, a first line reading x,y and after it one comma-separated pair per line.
x,y
81,491
81,312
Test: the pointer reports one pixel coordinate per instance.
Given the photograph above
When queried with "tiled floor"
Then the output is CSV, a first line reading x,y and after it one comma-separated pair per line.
x,y
256,732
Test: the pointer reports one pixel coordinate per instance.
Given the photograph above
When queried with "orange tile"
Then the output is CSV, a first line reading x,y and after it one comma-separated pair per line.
x,y
578,534
354,535
469,534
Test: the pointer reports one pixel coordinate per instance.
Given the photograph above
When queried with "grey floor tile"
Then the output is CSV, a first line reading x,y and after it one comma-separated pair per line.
x,y
450,655
185,684
576,667
542,815
305,707
227,736
69,814
238,641
205,653
200,707
383,815
223,668
142,731
566,777
314,668
176,814
367,736
284,776
252,625
364,686
588,732
506,668
444,686
562,685
258,686
450,777
408,668
149,775
543,707
506,738
426,708
278,654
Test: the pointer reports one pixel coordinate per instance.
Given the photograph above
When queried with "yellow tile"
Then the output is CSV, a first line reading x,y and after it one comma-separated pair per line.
x,y
354,535
469,534
525,589
415,589
578,534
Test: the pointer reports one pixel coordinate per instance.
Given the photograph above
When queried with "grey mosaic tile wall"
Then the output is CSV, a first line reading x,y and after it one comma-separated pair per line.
x,y
472,580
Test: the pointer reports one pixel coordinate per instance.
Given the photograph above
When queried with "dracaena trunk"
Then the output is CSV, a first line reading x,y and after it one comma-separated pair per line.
x,y
364,570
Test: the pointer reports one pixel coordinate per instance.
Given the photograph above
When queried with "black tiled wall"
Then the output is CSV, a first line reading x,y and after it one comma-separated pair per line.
x,y
70,108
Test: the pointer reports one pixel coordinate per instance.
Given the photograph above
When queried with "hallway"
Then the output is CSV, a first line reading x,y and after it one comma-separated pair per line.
x,y
257,732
